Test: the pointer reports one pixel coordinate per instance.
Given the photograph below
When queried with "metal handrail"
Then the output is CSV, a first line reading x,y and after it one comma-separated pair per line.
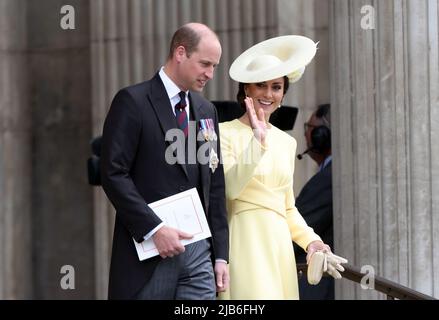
x,y
391,289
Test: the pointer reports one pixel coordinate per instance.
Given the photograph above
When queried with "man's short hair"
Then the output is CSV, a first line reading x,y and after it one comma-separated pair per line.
x,y
324,113
187,37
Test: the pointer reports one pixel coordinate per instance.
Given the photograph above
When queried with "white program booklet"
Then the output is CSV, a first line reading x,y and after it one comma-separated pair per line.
x,y
182,211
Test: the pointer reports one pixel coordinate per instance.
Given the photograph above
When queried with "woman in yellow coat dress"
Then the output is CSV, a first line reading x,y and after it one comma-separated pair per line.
x,y
258,165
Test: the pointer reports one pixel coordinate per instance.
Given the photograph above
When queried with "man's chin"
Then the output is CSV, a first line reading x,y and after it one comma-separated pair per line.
x,y
198,88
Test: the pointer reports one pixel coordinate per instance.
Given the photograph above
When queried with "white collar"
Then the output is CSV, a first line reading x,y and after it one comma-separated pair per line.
x,y
171,88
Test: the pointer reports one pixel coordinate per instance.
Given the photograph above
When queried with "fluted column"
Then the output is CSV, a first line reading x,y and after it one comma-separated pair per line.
x,y
384,89
62,208
15,155
310,19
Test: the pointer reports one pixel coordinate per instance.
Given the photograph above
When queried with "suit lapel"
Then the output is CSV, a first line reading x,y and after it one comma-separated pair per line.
x,y
199,113
159,100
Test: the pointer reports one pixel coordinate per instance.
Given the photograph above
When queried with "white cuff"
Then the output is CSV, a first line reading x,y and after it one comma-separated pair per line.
x,y
221,260
153,231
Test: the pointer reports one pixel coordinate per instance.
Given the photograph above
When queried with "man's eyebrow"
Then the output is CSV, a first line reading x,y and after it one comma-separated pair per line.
x,y
209,62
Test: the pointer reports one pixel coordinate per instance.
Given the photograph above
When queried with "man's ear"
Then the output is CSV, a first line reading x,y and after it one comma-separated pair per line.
x,y
180,53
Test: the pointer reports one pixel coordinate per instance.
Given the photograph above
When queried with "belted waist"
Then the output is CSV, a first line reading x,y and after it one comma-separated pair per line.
x,y
257,196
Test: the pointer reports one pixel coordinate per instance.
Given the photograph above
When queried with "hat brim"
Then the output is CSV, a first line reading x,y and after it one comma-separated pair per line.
x,y
295,52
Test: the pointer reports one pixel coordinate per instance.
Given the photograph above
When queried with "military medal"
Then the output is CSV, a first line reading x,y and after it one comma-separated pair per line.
x,y
207,128
211,129
204,129
213,160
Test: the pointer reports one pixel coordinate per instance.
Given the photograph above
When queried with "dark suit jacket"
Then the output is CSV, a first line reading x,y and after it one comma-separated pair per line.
x,y
135,172
314,203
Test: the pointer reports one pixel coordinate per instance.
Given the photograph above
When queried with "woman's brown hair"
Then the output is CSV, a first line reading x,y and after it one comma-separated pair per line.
x,y
241,92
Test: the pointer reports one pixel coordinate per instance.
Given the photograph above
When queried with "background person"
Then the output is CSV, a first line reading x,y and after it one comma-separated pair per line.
x,y
314,201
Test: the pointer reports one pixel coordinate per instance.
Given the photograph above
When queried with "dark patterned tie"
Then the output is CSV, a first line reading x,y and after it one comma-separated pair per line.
x,y
181,114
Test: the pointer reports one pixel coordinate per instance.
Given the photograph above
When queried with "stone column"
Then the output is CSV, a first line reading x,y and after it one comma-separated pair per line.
x,y
310,19
62,217
385,97
15,155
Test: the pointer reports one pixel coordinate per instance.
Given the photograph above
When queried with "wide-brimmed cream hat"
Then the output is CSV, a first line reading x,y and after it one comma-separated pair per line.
x,y
274,58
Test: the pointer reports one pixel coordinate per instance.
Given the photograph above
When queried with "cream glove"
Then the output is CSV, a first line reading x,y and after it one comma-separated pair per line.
x,y
324,262
315,268
332,264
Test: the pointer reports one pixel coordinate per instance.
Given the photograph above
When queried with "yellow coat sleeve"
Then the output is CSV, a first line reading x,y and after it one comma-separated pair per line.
x,y
239,163
301,233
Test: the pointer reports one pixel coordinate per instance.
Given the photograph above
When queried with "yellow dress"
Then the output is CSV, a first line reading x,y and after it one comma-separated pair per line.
x,y
261,213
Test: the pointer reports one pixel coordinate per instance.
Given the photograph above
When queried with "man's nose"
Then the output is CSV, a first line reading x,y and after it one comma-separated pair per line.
x,y
209,73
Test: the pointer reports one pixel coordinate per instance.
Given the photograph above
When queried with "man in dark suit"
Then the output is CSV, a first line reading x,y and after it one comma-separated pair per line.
x,y
138,167
314,201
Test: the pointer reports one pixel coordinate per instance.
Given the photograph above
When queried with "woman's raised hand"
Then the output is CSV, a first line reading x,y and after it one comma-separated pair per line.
x,y
257,120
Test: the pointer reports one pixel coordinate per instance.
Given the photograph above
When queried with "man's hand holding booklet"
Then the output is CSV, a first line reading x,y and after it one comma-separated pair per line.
x,y
182,211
